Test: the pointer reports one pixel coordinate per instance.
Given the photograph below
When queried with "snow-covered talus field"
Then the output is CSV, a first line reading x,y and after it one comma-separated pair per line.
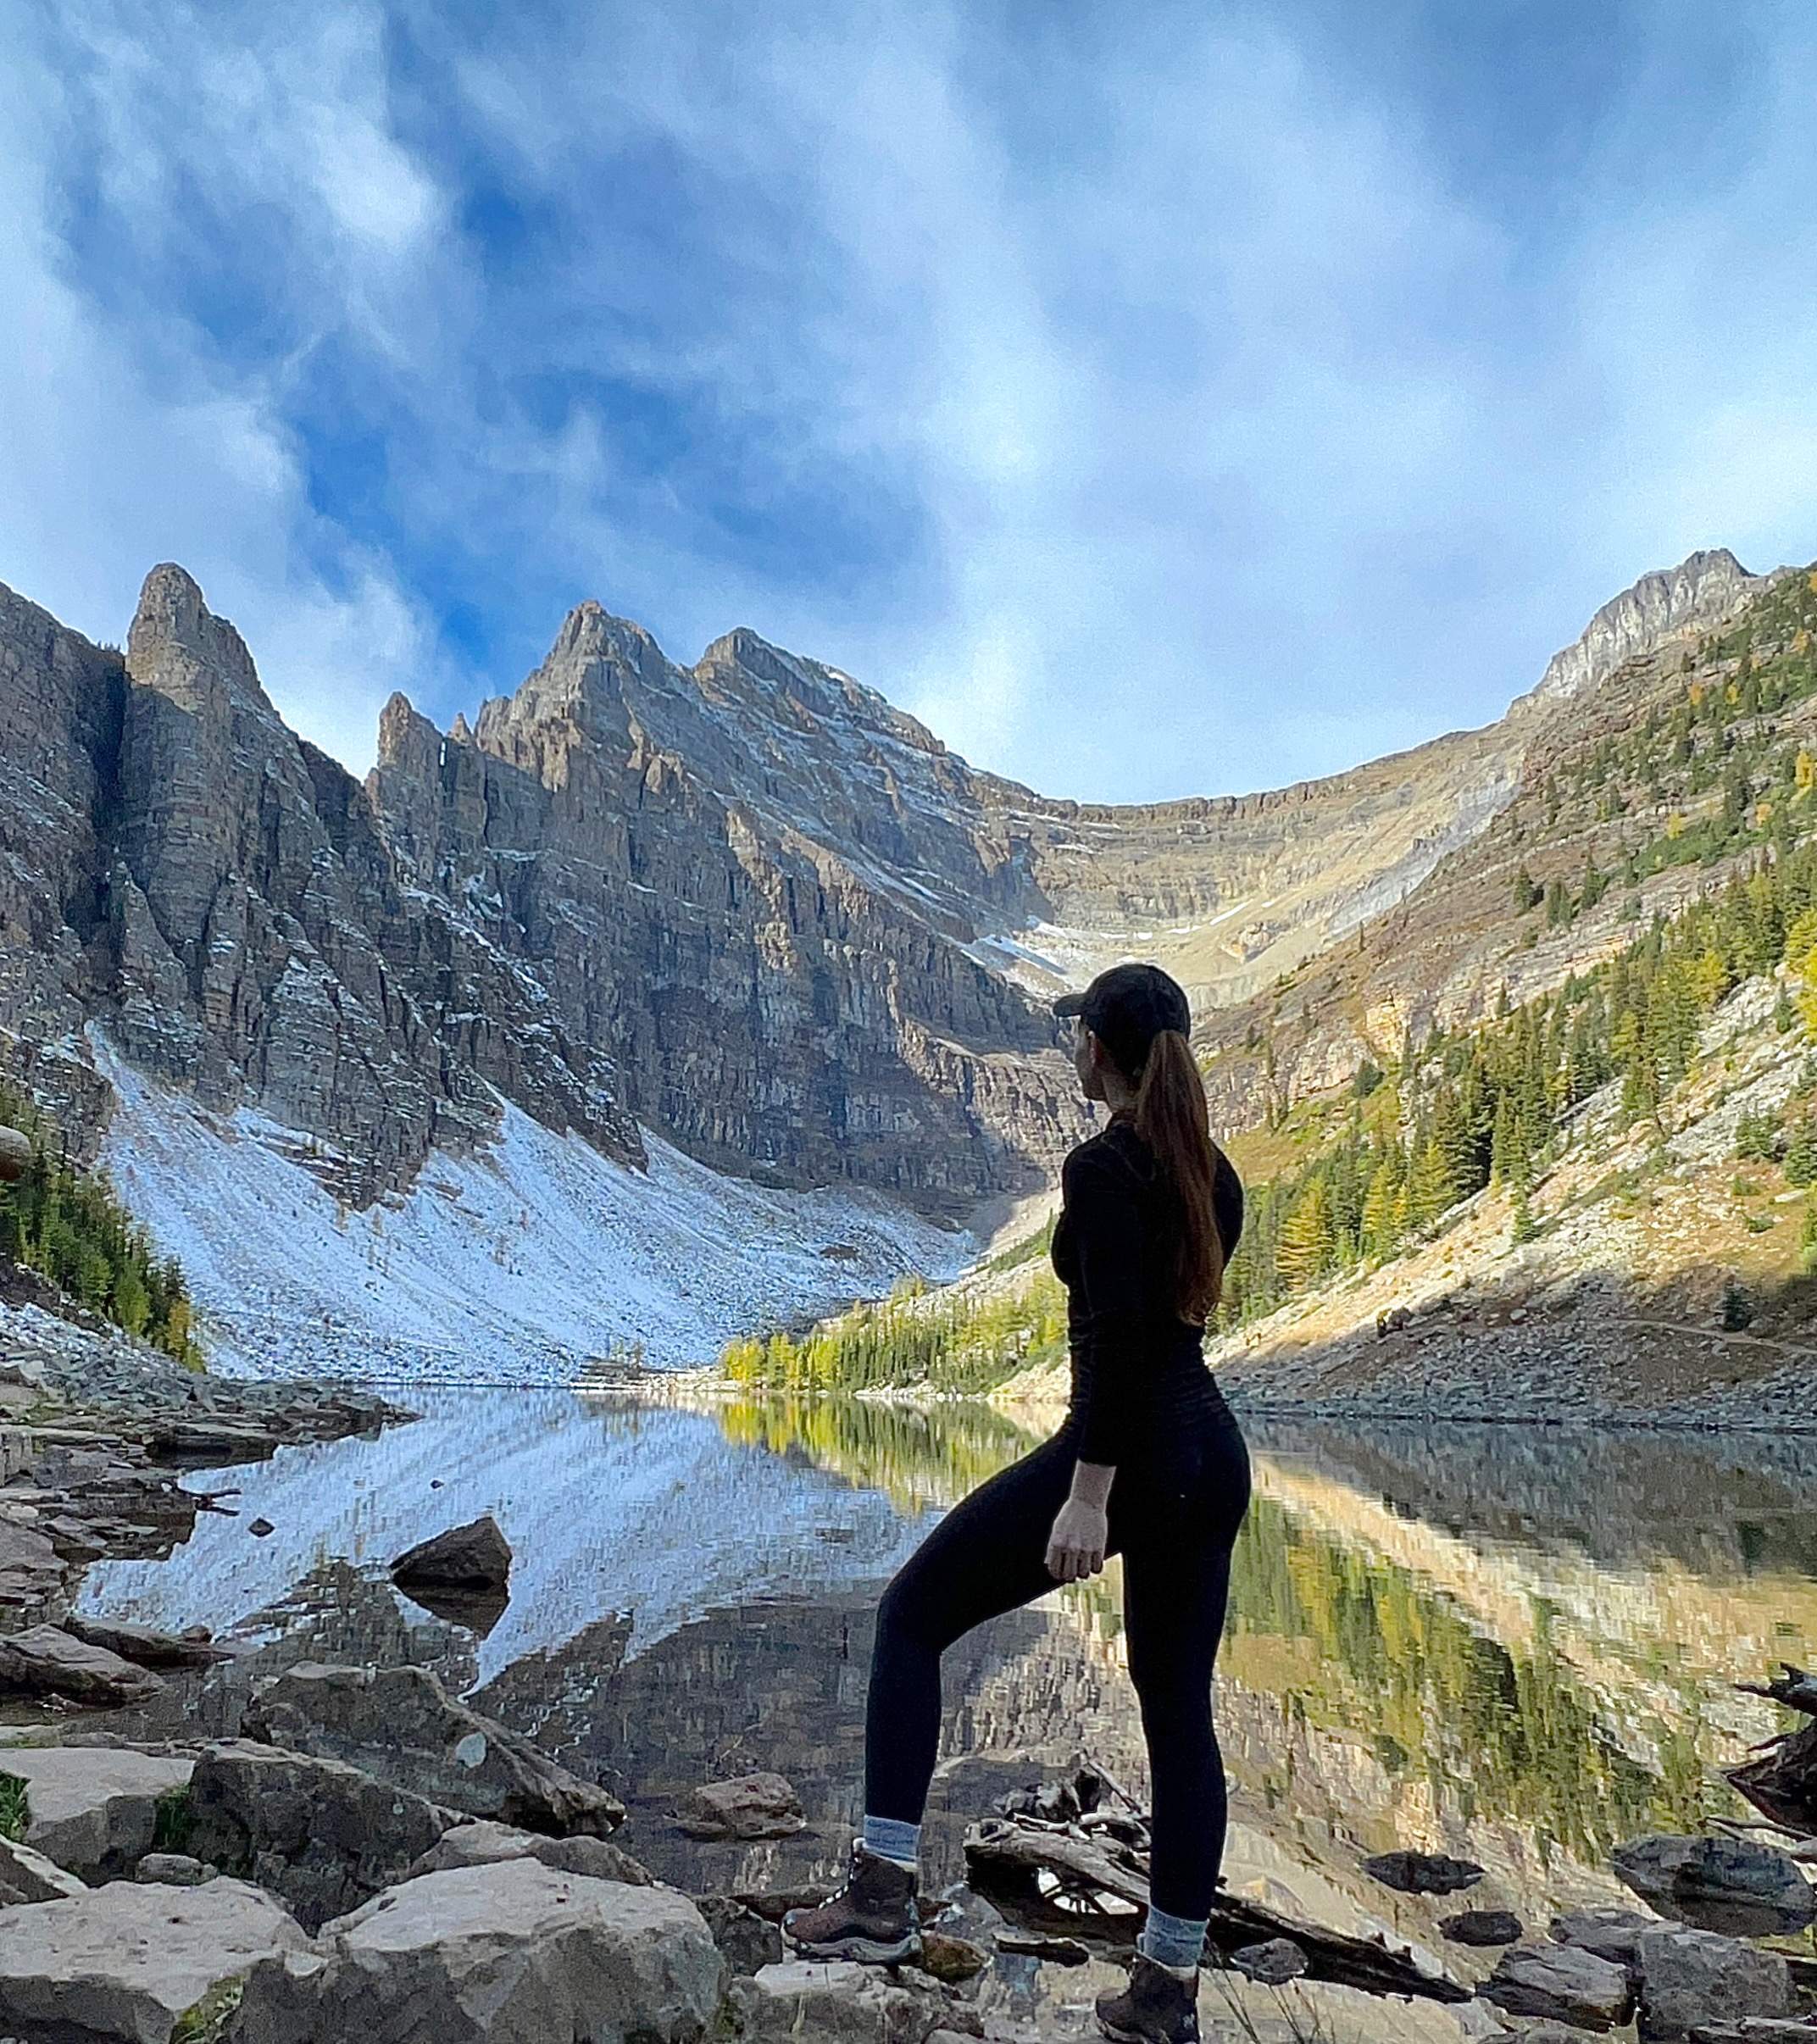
x,y
514,1266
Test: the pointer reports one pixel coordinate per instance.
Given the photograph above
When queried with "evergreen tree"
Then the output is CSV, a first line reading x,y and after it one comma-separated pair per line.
x,y
1307,1238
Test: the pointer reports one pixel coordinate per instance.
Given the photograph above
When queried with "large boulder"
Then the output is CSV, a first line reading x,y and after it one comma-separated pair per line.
x,y
1691,1978
761,1805
1731,1886
27,1875
94,1809
485,1844
475,1558
133,1963
402,1724
840,2001
46,1661
1562,1984
510,1953
322,1834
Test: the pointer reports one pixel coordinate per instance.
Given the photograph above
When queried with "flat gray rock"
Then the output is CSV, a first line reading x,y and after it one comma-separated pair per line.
x,y
841,2002
484,1844
1561,1984
144,1646
1611,1934
31,1568
1690,1978
93,1809
130,1963
509,1953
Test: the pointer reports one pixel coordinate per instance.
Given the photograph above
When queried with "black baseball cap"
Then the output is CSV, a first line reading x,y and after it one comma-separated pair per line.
x,y
1126,1007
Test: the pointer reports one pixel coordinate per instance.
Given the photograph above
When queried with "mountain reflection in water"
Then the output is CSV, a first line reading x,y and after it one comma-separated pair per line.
x,y
1516,1645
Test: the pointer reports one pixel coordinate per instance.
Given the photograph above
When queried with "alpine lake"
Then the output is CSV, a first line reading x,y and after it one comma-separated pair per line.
x,y
1515,1645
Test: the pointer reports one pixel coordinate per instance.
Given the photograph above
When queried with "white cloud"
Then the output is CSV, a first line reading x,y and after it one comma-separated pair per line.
x,y
1227,431
131,438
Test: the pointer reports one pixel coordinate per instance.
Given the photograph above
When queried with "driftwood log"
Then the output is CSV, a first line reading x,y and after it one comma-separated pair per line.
x,y
1095,1859
1782,1781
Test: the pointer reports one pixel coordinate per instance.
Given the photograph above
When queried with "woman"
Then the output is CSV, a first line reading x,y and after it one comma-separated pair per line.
x,y
1148,1462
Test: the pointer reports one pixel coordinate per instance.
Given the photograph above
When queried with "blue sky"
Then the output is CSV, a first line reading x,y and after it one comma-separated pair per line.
x,y
1157,400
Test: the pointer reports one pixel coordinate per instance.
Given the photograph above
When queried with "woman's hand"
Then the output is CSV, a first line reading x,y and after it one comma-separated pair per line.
x,y
1075,1547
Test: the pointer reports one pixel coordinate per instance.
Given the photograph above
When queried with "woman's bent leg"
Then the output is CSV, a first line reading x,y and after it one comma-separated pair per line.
x,y
987,1556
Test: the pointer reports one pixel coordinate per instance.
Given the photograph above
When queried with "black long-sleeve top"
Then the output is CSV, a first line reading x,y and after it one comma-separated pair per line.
x,y
1137,1367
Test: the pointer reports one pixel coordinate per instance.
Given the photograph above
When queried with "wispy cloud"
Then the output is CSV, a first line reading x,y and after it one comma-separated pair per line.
x,y
1154,402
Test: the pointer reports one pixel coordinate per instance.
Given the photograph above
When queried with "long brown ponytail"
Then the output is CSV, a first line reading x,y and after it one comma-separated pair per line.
x,y
1172,1117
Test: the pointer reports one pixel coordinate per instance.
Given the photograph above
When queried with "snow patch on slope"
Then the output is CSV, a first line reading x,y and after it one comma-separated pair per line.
x,y
513,1266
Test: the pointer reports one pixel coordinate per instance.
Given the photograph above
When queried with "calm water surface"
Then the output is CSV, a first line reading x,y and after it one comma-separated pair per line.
x,y
1514,1645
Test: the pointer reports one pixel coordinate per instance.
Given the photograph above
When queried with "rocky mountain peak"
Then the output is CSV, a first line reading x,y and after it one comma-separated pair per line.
x,y
583,692
1704,587
177,645
591,632
407,738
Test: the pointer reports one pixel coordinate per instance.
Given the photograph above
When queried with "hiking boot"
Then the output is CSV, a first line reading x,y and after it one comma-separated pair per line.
x,y
873,1916
1156,2008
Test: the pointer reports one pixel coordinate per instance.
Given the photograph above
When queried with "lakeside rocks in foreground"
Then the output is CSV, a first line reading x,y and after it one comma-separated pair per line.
x,y
514,1949
133,1962
47,1661
324,1836
401,1725
94,1809
90,1420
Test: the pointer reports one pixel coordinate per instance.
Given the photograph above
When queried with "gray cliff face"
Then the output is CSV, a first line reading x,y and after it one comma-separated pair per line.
x,y
748,904
231,915
559,911
774,1007
1701,591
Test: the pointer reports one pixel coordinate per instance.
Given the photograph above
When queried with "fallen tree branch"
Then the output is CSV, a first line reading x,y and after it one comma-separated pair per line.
x,y
1005,1858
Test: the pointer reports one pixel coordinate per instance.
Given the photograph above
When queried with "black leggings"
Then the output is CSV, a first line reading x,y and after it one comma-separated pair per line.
x,y
1174,1520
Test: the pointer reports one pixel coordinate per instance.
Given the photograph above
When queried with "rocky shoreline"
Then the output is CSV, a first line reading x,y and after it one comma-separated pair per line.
x,y
367,1853
95,1429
